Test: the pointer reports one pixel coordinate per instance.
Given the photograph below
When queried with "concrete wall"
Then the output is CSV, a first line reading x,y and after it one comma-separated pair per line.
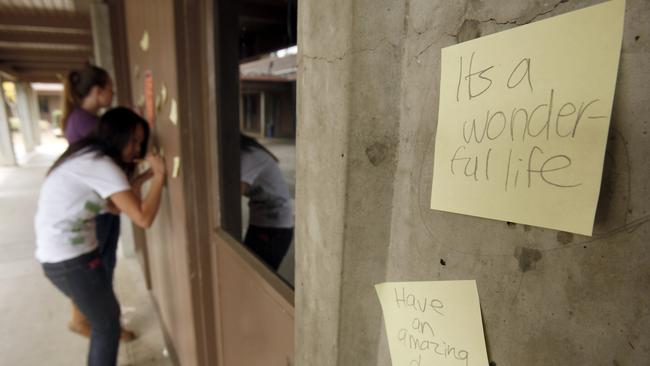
x,y
368,87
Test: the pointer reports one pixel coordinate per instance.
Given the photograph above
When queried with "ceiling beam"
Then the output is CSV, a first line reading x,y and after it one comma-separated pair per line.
x,y
47,37
50,55
33,75
51,77
7,75
7,47
49,22
40,66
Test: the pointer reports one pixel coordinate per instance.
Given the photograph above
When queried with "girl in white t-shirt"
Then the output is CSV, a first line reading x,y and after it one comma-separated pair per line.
x,y
88,178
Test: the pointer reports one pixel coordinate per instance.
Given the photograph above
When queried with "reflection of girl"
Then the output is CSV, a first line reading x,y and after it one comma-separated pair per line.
x,y
79,184
270,228
86,92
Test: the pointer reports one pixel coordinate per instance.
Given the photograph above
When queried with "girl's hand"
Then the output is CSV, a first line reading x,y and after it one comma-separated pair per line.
x,y
137,182
157,164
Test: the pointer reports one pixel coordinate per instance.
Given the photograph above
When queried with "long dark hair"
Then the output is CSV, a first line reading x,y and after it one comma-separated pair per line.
x,y
110,137
246,143
78,85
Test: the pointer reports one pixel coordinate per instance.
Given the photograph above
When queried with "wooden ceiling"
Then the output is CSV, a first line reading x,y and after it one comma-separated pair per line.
x,y
41,40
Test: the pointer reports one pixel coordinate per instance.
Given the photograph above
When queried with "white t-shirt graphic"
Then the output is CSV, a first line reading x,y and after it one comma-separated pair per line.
x,y
71,197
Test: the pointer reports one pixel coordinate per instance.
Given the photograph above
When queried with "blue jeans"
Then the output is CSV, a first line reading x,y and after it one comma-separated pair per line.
x,y
84,280
107,230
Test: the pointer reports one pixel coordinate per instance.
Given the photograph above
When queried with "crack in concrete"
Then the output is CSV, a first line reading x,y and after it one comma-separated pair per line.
x,y
348,52
517,21
494,20
328,60
417,57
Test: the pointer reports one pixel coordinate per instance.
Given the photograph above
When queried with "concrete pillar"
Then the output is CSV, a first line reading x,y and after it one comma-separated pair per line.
x,y
103,48
35,113
27,106
348,108
7,156
368,91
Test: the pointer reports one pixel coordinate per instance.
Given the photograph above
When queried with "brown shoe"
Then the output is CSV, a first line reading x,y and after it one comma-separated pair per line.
x,y
80,325
127,335
83,329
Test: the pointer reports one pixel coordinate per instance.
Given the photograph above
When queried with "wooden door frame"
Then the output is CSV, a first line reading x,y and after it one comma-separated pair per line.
x,y
206,35
195,91
197,115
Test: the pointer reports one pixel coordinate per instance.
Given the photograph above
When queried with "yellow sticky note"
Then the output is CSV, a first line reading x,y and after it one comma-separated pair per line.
x,y
523,120
140,102
163,93
433,323
144,41
173,112
177,166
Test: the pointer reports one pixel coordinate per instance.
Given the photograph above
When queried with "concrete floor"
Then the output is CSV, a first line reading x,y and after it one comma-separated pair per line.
x,y
33,314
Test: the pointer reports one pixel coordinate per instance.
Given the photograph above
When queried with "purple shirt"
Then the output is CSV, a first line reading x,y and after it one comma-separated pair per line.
x,y
80,123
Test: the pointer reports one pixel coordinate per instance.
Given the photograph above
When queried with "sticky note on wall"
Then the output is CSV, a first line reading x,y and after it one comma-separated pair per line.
x,y
163,93
173,112
433,323
177,166
524,117
144,41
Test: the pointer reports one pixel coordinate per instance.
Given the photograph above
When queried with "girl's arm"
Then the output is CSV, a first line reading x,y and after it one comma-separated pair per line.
x,y
136,185
143,212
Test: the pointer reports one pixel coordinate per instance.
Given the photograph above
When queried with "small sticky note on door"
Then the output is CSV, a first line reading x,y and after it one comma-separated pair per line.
x,y
163,94
177,166
144,41
173,112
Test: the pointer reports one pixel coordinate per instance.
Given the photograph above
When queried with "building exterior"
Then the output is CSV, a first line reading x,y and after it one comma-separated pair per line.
x,y
268,94
367,91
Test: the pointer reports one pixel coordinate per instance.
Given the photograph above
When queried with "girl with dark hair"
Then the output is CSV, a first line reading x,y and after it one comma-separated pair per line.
x,y
86,91
270,228
90,173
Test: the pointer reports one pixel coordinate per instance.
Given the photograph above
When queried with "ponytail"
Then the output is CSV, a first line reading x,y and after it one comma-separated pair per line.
x,y
77,85
69,100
